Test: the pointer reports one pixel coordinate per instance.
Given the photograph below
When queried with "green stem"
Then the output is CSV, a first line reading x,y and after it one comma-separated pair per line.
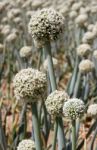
x,y
55,134
46,126
39,60
77,85
61,137
47,48
25,61
9,73
74,76
86,88
36,127
73,134
23,122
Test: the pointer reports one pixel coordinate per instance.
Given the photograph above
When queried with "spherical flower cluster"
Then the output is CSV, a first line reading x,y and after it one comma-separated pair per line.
x,y
46,24
82,10
84,50
95,54
86,66
95,30
90,27
36,4
11,37
17,20
73,108
1,48
54,102
25,51
14,12
26,144
92,110
76,6
73,14
30,85
81,19
6,30
88,9
94,9
4,20
88,37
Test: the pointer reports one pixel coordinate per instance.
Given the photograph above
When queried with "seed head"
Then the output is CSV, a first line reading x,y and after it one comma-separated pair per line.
x,y
26,52
90,27
88,37
11,37
95,30
92,110
95,54
81,19
54,102
1,48
26,145
73,14
73,108
4,20
6,30
30,85
76,6
83,50
46,25
86,66
17,20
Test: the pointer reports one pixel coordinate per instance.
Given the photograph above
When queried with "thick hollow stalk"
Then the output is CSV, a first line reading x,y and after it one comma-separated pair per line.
x,y
73,134
86,88
46,127
77,85
40,58
95,62
55,134
26,64
76,94
74,75
47,48
36,127
61,137
23,122
21,65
